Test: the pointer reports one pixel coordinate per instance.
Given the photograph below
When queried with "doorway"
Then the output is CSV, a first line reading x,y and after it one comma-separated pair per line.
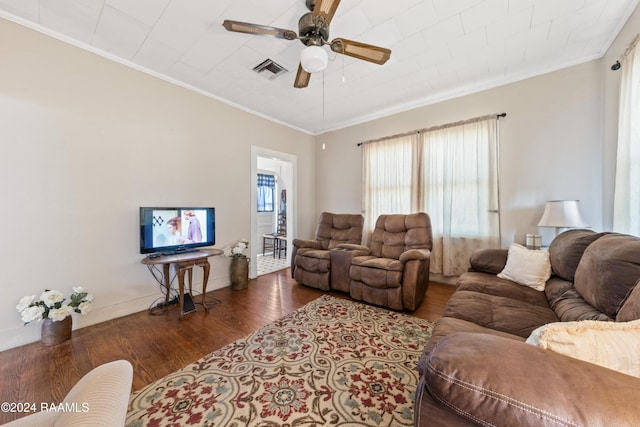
x,y
283,167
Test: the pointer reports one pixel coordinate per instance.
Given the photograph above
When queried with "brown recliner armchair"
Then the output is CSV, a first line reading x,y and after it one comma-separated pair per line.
x,y
311,260
395,274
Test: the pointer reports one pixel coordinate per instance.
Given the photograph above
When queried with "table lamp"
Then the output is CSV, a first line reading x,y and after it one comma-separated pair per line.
x,y
562,214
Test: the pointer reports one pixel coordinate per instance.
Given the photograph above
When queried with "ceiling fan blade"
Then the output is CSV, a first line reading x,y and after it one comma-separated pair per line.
x,y
326,9
367,52
255,29
302,78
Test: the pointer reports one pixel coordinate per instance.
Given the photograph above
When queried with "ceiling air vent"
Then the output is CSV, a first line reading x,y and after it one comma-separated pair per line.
x,y
269,69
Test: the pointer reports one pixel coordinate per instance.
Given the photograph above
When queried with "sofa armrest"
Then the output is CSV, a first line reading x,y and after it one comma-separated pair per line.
x,y
303,243
493,380
360,249
418,254
490,261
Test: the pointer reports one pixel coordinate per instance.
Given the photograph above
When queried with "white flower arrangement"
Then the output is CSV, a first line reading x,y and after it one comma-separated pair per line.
x,y
236,249
50,305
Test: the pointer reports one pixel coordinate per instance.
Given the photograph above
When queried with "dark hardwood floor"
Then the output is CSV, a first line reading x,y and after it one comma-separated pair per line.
x,y
160,344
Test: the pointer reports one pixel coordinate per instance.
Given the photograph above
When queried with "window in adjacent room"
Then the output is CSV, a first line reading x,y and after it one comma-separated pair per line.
x,y
266,191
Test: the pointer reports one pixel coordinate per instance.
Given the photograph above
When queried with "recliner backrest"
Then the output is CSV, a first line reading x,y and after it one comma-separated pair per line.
x,y
335,229
397,233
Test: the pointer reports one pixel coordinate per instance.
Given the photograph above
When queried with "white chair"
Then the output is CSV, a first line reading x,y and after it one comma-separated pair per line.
x,y
99,399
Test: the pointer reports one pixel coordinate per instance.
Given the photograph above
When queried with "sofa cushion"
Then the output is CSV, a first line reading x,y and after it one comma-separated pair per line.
x,y
502,314
376,277
572,307
614,345
631,307
566,251
317,261
608,270
380,263
554,289
568,304
527,267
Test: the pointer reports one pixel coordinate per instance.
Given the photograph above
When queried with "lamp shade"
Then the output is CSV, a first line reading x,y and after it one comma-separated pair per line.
x,y
314,59
562,214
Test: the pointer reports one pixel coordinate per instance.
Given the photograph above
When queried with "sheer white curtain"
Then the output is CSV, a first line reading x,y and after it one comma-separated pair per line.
x,y
388,176
626,211
460,182
449,172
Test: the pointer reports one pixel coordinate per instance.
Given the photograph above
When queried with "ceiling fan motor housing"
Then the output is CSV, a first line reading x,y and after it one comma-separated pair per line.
x,y
313,30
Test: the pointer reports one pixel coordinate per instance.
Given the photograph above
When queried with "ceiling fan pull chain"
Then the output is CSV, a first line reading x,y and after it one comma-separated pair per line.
x,y
323,101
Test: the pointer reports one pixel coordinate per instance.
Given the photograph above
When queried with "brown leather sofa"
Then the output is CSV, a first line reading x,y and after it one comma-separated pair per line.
x,y
477,369
311,260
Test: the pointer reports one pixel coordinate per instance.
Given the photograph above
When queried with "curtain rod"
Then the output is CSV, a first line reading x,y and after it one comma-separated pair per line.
x,y
432,128
618,64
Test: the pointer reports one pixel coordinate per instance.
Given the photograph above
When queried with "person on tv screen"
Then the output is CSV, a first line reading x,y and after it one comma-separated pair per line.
x,y
194,233
175,231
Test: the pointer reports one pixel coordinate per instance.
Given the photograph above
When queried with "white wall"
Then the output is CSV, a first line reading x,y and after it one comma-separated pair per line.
x,y
85,143
550,147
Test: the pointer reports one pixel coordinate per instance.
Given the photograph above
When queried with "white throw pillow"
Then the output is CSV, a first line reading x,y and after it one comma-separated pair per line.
x,y
527,267
614,345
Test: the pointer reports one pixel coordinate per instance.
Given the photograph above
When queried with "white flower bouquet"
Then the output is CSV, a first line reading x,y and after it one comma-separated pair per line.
x,y
236,249
50,305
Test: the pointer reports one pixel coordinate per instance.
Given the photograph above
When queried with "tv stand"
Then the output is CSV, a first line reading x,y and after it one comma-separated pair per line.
x,y
179,251
184,262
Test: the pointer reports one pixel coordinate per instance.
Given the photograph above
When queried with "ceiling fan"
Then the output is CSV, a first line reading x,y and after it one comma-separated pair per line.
x,y
313,32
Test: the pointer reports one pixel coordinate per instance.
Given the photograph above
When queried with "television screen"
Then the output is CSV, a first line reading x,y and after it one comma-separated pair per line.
x,y
174,230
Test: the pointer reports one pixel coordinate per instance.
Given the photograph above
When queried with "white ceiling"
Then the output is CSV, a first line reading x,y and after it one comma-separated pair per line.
x,y
440,48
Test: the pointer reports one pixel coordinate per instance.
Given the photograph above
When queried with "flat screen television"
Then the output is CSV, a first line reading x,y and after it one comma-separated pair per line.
x,y
175,230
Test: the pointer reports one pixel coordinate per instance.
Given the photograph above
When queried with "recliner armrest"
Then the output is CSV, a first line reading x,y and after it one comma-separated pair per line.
x,y
303,243
414,254
494,380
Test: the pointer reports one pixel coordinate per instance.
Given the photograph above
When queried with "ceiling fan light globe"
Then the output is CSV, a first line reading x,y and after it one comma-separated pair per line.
x,y
314,59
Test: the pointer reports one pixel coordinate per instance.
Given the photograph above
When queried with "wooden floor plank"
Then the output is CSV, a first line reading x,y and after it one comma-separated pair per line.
x,y
159,345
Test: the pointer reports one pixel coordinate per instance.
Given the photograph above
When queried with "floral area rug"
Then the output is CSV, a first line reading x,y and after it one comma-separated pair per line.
x,y
332,362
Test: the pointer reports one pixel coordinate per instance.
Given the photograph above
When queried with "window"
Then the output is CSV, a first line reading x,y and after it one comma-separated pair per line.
x,y
387,179
626,208
266,190
449,172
